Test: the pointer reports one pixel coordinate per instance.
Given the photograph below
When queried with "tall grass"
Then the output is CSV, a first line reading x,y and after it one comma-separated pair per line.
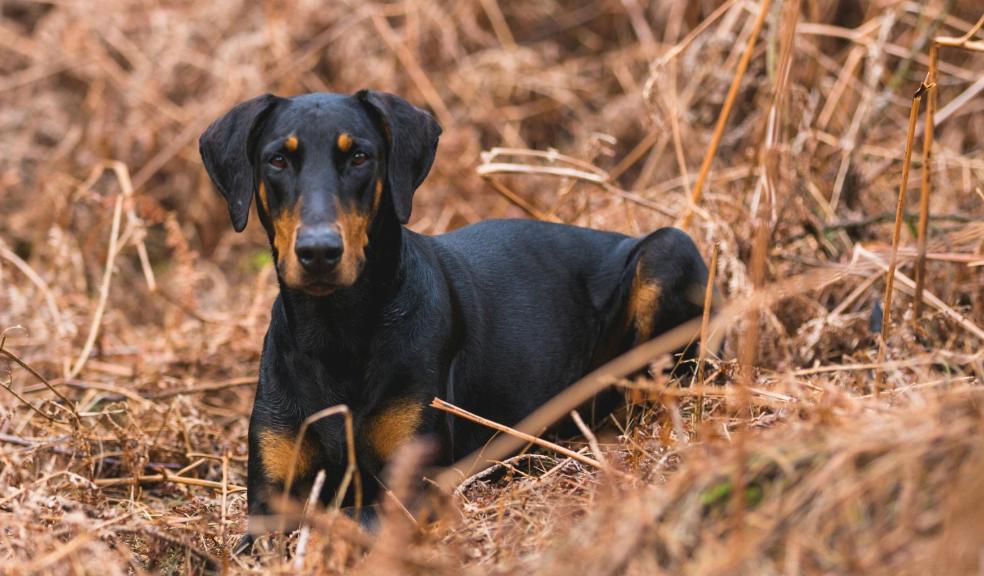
x,y
777,132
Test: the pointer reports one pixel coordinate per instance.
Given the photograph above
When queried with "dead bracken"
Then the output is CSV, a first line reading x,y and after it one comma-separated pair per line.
x,y
132,317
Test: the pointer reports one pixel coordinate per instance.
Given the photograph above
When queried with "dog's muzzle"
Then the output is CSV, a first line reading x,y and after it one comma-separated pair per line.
x,y
318,249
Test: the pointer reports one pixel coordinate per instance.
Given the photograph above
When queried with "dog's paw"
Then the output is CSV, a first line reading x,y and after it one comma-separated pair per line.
x,y
366,516
244,545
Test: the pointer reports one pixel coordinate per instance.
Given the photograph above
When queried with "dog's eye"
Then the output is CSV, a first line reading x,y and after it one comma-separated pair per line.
x,y
359,158
278,162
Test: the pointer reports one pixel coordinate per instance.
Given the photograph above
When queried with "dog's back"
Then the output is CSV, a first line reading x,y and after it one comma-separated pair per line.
x,y
541,304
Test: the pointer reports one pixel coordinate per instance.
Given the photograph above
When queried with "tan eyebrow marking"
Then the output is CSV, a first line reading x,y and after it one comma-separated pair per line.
x,y
291,143
344,142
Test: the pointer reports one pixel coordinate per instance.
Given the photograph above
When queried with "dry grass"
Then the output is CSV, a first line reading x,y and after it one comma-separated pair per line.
x,y
128,382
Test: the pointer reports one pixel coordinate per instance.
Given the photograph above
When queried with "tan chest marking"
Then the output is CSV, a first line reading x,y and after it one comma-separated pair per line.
x,y
394,426
643,304
276,451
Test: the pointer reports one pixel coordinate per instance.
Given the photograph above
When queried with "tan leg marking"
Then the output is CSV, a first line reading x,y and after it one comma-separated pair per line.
x,y
394,426
643,304
276,451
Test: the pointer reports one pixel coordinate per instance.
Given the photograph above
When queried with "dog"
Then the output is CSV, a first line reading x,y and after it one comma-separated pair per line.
x,y
496,317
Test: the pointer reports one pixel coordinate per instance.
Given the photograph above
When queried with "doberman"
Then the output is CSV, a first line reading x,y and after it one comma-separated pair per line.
x,y
496,317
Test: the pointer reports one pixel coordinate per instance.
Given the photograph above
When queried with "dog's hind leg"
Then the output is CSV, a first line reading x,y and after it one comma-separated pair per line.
x,y
666,281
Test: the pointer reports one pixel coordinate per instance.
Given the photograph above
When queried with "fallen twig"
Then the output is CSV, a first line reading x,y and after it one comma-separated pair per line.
x,y
462,413
166,477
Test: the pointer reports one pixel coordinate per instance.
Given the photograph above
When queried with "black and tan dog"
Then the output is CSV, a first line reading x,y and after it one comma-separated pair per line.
x,y
496,317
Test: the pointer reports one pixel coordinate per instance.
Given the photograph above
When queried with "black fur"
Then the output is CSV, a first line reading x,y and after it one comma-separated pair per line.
x,y
411,143
227,155
497,317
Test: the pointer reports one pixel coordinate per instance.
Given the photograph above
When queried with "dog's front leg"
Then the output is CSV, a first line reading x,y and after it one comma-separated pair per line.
x,y
276,459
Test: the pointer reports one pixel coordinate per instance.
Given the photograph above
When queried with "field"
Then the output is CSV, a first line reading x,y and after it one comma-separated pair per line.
x,y
836,425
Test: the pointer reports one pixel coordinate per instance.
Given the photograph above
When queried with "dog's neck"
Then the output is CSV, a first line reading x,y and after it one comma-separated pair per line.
x,y
339,325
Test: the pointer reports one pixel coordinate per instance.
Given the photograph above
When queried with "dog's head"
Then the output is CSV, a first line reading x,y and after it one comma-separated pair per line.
x,y
323,168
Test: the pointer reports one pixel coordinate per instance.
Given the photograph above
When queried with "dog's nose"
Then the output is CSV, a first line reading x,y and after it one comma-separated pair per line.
x,y
318,249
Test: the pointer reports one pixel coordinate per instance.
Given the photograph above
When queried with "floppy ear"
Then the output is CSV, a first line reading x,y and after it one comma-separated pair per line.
x,y
227,149
411,137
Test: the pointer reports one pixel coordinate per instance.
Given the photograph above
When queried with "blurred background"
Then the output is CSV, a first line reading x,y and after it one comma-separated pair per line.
x,y
594,112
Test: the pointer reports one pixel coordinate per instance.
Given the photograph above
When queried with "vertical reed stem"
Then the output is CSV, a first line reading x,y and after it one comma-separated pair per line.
x,y
722,121
704,336
896,233
926,184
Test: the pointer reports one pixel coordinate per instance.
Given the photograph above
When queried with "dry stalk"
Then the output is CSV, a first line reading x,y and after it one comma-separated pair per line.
x,y
551,156
635,154
76,85
305,532
413,68
6,386
40,564
722,121
592,440
225,500
933,300
351,471
678,48
705,321
519,201
125,196
462,413
582,171
37,375
608,374
564,172
748,352
873,75
103,293
763,213
204,388
896,233
167,477
575,395
37,280
926,184
499,24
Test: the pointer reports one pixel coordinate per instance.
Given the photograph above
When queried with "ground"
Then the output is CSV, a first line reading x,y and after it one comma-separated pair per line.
x,y
133,315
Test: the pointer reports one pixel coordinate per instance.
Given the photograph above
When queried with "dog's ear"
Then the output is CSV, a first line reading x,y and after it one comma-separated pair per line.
x,y
411,138
227,151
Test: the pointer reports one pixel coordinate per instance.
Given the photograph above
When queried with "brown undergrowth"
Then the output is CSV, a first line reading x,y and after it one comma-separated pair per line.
x,y
133,315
